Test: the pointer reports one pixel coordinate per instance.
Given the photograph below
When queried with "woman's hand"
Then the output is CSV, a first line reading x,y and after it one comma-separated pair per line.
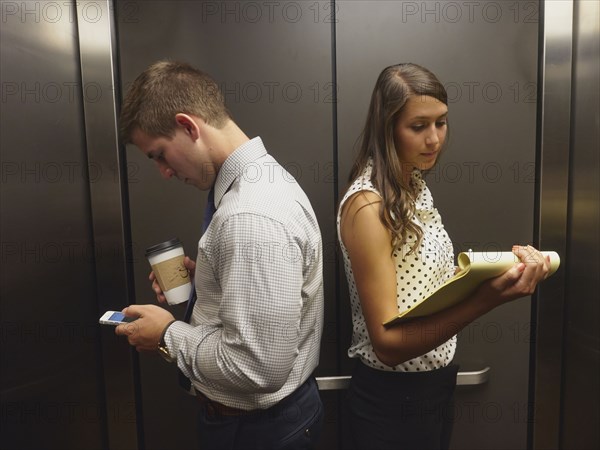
x,y
520,280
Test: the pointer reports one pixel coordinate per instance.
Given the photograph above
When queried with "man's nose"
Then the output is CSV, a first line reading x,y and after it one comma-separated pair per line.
x,y
165,170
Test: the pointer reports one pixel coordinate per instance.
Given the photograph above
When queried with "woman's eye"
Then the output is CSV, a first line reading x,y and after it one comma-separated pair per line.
x,y
417,127
441,124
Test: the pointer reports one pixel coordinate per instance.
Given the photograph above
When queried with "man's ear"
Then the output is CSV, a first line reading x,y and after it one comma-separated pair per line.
x,y
189,125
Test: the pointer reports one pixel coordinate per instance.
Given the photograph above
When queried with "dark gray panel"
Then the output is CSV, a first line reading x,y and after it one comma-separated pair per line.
x,y
485,53
51,373
580,386
273,62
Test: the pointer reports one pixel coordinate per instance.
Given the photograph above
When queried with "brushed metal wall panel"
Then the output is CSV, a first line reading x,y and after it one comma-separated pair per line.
x,y
554,141
580,411
51,376
485,53
95,25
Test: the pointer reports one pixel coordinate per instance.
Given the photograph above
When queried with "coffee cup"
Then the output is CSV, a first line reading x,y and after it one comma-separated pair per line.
x,y
173,278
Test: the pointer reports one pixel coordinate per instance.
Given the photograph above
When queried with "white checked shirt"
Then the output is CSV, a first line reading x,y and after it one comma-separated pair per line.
x,y
256,327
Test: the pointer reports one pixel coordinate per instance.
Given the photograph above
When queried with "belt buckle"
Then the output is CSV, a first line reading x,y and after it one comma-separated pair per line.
x,y
211,412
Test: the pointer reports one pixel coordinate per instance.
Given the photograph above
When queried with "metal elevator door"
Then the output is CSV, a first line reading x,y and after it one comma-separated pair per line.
x,y
50,365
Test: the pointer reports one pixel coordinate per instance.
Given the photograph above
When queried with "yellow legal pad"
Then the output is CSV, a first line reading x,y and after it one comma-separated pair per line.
x,y
475,268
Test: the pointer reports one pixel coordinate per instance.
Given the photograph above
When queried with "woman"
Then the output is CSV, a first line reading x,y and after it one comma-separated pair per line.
x,y
396,251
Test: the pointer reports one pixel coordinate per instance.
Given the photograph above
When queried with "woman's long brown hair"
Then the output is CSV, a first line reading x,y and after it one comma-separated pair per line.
x,y
394,86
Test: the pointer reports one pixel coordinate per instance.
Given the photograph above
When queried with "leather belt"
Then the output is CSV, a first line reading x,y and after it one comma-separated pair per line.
x,y
216,408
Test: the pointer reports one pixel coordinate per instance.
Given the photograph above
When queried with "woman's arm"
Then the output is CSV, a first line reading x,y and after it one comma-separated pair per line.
x,y
369,247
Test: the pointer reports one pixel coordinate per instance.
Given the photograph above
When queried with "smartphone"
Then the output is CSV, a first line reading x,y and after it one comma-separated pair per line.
x,y
115,318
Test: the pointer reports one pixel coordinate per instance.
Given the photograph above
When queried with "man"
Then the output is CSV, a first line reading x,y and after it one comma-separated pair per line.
x,y
253,339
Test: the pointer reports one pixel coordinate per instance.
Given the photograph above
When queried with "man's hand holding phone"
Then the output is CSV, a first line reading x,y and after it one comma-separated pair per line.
x,y
145,332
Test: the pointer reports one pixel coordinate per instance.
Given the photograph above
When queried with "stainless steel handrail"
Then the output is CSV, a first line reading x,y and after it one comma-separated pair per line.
x,y
333,383
473,378
470,378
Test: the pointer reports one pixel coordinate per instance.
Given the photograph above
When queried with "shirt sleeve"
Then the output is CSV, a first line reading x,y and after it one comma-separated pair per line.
x,y
259,266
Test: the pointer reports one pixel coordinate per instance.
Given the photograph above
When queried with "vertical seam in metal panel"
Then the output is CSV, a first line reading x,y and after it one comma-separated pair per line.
x,y
335,149
570,169
536,219
101,388
126,217
334,119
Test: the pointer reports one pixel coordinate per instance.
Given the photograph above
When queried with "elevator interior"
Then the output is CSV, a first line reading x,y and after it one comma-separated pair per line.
x,y
78,208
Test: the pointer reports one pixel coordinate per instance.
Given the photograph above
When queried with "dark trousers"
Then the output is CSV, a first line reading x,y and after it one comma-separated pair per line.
x,y
401,410
293,423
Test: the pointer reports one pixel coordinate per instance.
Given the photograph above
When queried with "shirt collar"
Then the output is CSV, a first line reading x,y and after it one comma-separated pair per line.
x,y
235,164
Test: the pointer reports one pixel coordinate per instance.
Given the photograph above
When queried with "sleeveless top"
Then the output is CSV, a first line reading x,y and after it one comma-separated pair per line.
x,y
417,275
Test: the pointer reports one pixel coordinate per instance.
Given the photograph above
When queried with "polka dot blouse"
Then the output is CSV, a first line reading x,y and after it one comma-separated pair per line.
x,y
417,275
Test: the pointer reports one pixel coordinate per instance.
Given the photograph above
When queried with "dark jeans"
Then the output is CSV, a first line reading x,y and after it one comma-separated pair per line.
x,y
401,410
293,423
